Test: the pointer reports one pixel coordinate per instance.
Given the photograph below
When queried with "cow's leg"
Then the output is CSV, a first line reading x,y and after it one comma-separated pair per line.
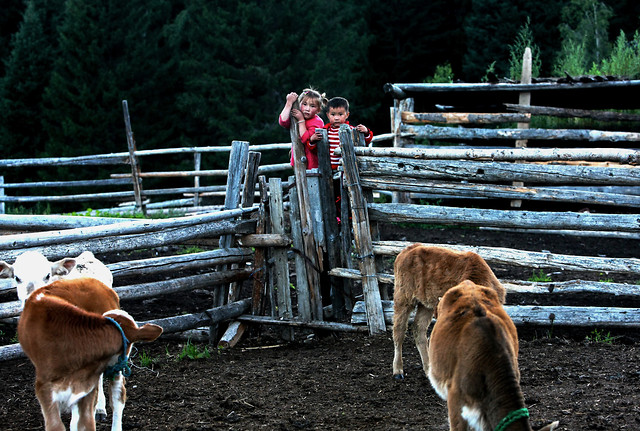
x,y
50,409
82,414
101,407
118,397
420,326
454,405
401,311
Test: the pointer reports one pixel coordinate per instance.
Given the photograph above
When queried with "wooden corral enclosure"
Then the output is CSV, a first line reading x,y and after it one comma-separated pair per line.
x,y
483,165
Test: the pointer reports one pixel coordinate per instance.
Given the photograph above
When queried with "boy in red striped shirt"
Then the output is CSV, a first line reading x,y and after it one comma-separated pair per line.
x,y
337,114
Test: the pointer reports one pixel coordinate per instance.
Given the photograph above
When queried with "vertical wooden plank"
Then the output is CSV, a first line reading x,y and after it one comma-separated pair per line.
x,y
260,273
302,281
237,165
311,250
339,300
524,99
281,265
360,223
346,241
246,200
197,163
398,141
133,160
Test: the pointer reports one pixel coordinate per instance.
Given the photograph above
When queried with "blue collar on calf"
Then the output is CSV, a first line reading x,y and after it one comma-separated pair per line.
x,y
123,361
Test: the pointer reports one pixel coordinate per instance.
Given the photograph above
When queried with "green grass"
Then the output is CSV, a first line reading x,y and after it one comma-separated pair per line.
x,y
146,360
192,351
539,276
598,336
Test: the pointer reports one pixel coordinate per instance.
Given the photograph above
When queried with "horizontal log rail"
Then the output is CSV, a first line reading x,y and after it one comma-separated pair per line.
x,y
498,172
489,191
404,90
435,132
510,256
542,315
523,287
463,118
134,226
619,155
573,113
413,213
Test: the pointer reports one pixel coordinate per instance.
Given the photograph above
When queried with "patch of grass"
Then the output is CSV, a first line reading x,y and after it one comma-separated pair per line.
x,y
191,249
146,360
539,276
192,351
598,336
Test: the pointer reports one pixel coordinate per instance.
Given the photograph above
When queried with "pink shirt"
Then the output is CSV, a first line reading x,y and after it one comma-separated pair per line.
x,y
310,148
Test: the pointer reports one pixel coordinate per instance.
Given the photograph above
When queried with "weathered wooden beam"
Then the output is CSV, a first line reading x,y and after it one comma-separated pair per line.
x,y
265,240
510,256
190,321
128,227
527,287
362,235
462,118
404,90
574,113
314,324
548,315
494,191
498,172
182,262
435,132
618,155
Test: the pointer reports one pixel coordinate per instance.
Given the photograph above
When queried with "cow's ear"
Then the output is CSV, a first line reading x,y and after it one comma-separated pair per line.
x,y
63,266
6,270
148,332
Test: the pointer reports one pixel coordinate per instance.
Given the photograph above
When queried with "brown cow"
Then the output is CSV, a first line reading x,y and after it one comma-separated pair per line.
x,y
73,331
473,355
422,275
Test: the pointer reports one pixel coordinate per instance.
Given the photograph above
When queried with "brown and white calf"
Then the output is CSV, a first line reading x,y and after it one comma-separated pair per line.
x,y
473,361
73,331
422,275
32,270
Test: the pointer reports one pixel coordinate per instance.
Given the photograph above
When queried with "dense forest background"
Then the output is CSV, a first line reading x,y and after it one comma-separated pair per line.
x,y
205,72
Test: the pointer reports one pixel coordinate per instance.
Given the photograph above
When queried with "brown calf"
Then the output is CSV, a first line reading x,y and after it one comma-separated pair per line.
x,y
422,275
473,355
73,331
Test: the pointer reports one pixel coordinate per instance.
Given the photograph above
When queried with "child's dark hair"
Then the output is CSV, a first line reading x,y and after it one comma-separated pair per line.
x,y
338,102
313,94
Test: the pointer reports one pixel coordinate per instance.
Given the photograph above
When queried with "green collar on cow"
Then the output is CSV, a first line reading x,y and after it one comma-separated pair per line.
x,y
123,361
511,418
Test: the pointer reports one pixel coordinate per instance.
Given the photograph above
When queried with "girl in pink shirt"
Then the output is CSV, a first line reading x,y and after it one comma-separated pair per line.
x,y
311,103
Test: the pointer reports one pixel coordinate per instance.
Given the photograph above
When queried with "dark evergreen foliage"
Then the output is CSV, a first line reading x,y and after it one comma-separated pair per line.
x,y
206,72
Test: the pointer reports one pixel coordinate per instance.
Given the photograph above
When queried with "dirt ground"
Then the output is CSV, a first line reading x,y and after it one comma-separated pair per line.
x,y
343,381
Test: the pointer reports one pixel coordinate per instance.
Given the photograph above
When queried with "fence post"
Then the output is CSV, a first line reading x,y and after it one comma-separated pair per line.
x,y
311,250
364,246
399,106
2,194
133,160
281,265
237,166
524,99
197,163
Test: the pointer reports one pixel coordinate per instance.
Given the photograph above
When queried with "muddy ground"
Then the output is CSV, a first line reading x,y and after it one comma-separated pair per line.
x,y
343,381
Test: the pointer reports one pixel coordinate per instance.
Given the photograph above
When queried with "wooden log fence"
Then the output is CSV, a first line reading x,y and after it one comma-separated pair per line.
x,y
599,177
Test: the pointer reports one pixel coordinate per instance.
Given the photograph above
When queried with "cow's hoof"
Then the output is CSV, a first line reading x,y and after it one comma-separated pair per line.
x,y
398,377
101,416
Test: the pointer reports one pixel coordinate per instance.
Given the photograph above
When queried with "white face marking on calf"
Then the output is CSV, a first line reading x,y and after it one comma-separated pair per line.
x,y
31,270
